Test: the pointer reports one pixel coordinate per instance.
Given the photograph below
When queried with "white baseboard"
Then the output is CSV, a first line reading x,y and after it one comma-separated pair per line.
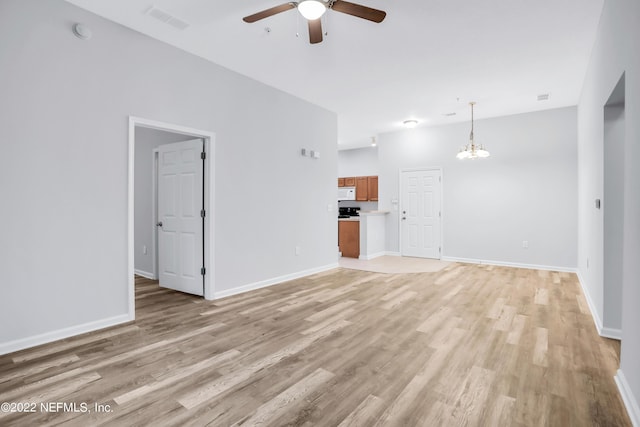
x,y
144,274
592,307
273,281
47,337
391,253
372,256
630,401
612,333
510,264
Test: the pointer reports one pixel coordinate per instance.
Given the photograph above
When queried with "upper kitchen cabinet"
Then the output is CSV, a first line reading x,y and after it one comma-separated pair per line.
x,y
372,188
366,187
362,189
347,182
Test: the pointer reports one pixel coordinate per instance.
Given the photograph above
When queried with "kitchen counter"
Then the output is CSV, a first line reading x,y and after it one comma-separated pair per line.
x,y
372,233
364,213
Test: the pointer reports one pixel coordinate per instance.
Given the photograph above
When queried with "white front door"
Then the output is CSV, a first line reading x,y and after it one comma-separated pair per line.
x,y
180,233
420,213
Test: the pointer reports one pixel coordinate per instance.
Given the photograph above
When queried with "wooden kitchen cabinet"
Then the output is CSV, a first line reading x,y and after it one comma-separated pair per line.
x,y
362,189
372,188
350,181
349,238
366,187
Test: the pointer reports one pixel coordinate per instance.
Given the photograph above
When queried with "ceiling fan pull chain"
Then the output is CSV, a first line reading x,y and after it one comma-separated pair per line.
x,y
326,25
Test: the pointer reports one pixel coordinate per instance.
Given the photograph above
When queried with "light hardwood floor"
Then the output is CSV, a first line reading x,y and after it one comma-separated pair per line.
x,y
468,345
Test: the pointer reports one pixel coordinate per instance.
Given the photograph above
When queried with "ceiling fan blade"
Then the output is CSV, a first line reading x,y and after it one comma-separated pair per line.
x,y
315,31
360,11
269,12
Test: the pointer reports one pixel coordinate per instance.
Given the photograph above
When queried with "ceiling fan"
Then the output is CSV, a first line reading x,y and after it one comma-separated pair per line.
x,y
312,11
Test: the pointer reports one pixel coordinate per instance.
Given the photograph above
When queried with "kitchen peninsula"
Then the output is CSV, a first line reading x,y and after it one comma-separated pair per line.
x,y
362,236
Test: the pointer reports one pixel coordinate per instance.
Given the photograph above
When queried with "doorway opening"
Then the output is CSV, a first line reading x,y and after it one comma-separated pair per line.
x,y
613,210
145,139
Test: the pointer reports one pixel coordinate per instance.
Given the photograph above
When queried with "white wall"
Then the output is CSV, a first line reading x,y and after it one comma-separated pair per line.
x,y
526,190
146,140
615,52
63,168
613,215
358,162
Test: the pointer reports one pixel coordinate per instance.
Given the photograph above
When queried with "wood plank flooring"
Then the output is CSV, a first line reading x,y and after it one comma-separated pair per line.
x,y
470,345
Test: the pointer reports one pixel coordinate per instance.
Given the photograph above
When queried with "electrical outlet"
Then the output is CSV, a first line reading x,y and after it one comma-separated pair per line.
x,y
144,249
297,250
525,244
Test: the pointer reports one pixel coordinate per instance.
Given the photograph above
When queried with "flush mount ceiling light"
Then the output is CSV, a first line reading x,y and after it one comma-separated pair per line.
x,y
471,150
410,123
311,9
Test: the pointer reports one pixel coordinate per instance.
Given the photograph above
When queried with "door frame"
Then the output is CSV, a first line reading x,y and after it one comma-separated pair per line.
x,y
400,192
209,201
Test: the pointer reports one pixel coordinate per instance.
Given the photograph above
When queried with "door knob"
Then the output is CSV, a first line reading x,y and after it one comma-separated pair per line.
x,y
404,217
159,224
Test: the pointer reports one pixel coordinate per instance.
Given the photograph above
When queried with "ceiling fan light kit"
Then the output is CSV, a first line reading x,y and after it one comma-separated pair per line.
x,y
312,11
471,150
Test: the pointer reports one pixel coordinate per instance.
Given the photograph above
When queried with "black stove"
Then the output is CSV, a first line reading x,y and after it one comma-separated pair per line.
x,y
348,212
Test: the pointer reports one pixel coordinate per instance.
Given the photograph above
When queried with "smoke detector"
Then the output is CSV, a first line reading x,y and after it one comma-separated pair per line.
x,y
82,32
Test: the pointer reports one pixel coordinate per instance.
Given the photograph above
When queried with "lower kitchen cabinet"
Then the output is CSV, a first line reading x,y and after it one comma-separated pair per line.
x,y
349,238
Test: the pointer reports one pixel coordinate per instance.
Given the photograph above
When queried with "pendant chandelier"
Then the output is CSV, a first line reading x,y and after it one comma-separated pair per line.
x,y
471,150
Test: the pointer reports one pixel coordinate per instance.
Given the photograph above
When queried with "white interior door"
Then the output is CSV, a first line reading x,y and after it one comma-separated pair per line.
x,y
420,214
180,233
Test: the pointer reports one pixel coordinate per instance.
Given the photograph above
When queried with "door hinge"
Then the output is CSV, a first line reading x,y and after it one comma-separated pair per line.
x,y
440,249
203,155
203,271
440,214
203,213
439,179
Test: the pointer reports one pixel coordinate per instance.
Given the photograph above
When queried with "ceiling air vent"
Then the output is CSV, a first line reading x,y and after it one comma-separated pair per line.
x,y
449,114
167,18
543,97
